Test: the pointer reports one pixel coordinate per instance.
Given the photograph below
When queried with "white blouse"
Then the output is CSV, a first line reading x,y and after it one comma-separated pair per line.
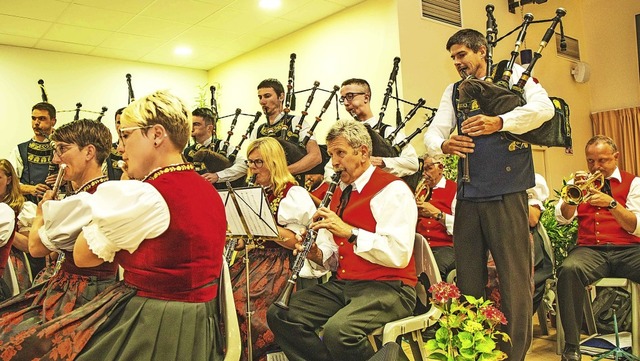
x,y
7,223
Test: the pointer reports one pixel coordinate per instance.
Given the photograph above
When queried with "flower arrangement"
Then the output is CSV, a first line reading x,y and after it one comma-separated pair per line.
x,y
468,329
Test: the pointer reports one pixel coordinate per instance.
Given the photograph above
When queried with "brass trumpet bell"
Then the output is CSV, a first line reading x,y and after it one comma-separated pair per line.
x,y
574,194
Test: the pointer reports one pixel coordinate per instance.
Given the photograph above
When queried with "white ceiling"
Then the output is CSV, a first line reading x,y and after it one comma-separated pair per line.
x,y
150,30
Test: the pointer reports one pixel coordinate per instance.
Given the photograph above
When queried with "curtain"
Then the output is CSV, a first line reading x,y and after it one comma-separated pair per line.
x,y
623,126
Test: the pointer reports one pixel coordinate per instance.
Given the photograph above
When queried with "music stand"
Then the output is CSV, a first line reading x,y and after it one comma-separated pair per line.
x,y
617,352
248,215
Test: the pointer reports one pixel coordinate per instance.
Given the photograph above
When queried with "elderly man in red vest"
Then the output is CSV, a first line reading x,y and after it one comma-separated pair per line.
x,y
372,218
608,237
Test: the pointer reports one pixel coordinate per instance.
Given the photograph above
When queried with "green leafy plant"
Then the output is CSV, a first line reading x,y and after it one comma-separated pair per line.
x,y
468,329
450,170
562,236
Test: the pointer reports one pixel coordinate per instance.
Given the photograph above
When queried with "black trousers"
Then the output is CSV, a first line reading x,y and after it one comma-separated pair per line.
x,y
501,227
582,267
346,311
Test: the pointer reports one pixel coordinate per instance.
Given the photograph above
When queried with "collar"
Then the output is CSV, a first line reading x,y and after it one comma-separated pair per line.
x,y
362,181
616,175
371,121
441,184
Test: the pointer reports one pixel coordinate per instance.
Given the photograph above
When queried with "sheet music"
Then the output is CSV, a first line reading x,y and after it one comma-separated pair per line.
x,y
255,210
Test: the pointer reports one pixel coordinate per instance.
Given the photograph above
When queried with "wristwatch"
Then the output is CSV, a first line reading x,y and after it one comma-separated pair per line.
x,y
440,216
613,204
354,235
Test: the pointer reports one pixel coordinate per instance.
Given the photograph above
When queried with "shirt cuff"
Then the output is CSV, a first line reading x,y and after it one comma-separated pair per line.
x,y
98,243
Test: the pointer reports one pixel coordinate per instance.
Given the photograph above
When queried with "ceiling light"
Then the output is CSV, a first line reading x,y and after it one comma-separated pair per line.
x,y
183,50
270,4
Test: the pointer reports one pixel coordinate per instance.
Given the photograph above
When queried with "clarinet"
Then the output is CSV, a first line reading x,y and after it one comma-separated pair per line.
x,y
387,93
506,75
234,154
45,98
492,32
295,136
319,117
519,87
230,132
309,240
130,88
230,247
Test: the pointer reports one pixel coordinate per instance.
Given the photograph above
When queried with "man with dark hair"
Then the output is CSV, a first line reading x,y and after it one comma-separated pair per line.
x,y
114,172
280,125
608,236
372,218
491,209
203,133
32,158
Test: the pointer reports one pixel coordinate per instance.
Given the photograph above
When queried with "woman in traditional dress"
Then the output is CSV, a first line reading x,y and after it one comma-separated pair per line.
x,y
82,146
11,201
166,228
269,263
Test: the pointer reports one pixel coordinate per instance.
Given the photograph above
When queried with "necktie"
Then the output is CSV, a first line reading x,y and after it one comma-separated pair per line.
x,y
344,199
606,188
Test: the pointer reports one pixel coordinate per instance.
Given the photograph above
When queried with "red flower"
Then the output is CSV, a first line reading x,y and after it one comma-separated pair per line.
x,y
493,315
442,292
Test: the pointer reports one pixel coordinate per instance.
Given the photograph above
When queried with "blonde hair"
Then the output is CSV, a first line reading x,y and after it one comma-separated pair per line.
x,y
12,197
161,108
273,158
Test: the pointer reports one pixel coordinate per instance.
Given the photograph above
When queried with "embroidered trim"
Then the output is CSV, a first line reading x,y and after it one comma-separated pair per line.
x,y
92,183
168,169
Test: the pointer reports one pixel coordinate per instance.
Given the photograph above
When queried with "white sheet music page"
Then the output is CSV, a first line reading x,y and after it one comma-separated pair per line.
x,y
252,206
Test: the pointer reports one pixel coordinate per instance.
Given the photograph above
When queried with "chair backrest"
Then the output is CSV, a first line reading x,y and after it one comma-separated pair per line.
x,y
233,343
425,263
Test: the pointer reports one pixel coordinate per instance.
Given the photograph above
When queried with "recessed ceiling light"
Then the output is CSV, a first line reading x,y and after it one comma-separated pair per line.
x,y
182,50
270,4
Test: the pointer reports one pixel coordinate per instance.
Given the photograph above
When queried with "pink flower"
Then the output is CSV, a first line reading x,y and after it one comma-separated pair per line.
x,y
442,292
493,315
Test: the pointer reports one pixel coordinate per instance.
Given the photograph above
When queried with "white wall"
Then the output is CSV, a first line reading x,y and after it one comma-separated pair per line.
x,y
69,78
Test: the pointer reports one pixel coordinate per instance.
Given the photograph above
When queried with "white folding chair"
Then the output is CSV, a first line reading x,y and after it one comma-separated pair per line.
x,y
414,325
232,340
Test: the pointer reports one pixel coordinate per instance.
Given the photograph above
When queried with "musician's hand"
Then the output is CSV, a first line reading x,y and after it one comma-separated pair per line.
x,y
481,125
326,218
426,209
211,177
377,161
459,145
599,199
40,189
51,179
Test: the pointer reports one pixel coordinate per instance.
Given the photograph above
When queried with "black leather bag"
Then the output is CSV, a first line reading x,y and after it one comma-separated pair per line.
x,y
555,132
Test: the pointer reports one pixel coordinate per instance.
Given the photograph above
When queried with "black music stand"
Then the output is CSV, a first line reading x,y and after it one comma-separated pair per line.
x,y
249,217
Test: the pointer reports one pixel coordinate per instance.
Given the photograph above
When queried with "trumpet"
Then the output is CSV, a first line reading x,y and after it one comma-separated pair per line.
x,y
574,194
423,191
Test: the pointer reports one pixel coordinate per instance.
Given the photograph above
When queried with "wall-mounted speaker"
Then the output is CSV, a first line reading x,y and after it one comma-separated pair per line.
x,y
581,72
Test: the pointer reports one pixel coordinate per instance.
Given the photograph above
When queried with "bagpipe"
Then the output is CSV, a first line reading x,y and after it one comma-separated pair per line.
x,y
495,98
78,108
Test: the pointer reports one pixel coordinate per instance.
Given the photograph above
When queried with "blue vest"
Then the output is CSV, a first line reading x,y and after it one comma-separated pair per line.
x,y
113,171
497,165
36,163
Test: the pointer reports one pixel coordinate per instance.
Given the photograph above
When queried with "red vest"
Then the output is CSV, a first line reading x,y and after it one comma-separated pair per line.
x,y
184,262
320,191
6,250
596,225
358,214
433,231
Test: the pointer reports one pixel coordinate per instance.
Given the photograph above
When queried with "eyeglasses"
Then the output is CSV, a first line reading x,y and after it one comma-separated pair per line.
x,y
60,149
349,97
257,162
123,136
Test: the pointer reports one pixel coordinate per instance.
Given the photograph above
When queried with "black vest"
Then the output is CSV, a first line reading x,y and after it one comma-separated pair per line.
x,y
113,171
497,165
36,163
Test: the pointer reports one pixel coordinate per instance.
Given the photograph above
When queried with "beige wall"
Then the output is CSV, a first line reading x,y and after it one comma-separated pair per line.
x,y
69,78
358,42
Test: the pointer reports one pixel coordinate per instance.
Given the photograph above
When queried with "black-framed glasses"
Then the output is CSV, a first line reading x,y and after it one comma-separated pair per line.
x,y
123,136
349,96
257,162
